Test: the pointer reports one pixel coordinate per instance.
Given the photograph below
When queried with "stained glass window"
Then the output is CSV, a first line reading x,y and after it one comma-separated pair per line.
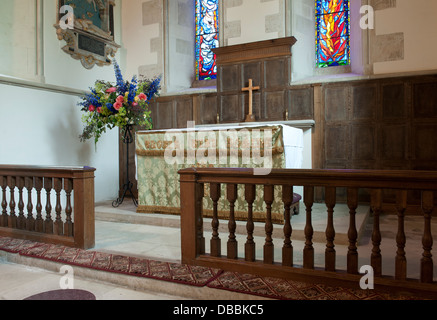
x,y
207,38
332,33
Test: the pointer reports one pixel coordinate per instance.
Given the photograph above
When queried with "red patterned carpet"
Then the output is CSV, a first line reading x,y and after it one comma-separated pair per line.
x,y
268,287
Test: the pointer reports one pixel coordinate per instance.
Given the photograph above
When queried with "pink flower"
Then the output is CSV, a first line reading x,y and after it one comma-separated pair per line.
x,y
120,99
91,108
99,110
142,96
134,104
117,105
111,90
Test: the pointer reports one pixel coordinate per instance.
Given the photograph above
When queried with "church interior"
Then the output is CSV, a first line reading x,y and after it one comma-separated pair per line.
x,y
355,80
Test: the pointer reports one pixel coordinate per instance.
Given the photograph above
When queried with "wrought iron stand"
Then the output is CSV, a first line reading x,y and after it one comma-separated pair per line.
x,y
127,139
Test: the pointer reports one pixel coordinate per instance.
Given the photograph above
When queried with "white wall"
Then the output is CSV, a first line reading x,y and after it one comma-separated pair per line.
x,y
257,19
417,20
42,127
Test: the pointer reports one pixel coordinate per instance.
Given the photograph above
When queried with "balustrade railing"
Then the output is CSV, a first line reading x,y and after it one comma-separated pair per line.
x,y
192,183
48,204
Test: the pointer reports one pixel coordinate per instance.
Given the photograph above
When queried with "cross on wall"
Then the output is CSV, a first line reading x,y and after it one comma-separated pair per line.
x,y
250,117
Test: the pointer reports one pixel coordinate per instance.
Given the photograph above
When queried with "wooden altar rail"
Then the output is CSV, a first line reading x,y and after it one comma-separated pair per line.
x,y
192,183
72,226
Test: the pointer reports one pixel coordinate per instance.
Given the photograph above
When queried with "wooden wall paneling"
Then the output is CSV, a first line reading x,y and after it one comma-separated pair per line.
x,y
165,114
275,102
206,110
301,103
231,108
183,111
277,73
229,76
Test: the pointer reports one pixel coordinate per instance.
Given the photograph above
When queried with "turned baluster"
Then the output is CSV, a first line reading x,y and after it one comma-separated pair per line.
x,y
4,217
376,258
48,223
401,260
352,254
426,263
330,194
199,221
249,247
215,193
287,249
30,221
68,225
308,251
58,225
21,221
12,223
268,246
39,223
232,242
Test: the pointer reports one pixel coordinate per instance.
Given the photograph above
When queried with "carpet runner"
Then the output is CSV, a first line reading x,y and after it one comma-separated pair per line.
x,y
268,287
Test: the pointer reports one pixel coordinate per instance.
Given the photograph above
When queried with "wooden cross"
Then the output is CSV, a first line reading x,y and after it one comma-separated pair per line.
x,y
250,117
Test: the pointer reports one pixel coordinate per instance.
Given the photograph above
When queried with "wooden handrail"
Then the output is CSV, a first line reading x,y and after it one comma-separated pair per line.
x,y
193,180
44,222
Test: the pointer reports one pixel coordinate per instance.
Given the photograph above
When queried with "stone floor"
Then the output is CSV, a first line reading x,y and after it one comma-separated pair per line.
x,y
157,237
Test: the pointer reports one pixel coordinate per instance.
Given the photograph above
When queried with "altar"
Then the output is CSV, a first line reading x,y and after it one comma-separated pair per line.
x,y
162,153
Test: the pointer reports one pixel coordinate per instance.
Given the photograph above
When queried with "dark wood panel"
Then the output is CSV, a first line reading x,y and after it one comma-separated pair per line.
x,y
301,103
206,111
363,142
184,112
425,100
364,102
394,101
229,76
231,109
336,102
165,115
275,104
276,73
336,143
394,143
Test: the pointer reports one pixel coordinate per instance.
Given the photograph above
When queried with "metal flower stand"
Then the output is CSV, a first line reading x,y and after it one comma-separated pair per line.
x,y
127,187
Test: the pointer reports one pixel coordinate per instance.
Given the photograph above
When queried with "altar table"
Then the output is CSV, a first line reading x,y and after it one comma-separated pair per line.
x,y
158,164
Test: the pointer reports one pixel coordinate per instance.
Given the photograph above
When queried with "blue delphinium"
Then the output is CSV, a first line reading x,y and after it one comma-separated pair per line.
x,y
121,84
132,89
154,87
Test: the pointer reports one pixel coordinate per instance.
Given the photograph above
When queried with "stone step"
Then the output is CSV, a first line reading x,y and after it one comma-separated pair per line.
x,y
128,214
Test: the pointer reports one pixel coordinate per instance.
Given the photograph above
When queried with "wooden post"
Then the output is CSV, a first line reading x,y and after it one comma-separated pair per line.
x,y
376,258
215,193
268,246
352,254
84,215
249,247
401,260
232,195
330,194
426,263
189,213
308,251
287,249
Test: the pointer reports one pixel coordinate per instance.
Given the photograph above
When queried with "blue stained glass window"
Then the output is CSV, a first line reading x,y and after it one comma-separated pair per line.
x,y
332,33
207,38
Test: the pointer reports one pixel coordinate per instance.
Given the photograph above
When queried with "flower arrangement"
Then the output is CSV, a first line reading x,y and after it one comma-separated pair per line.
x,y
126,103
